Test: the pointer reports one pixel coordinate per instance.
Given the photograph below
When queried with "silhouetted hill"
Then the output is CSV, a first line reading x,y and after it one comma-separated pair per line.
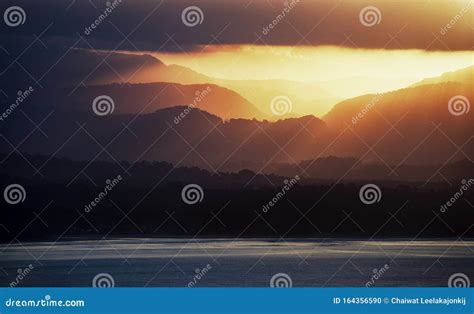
x,y
348,169
412,125
81,67
147,98
174,135
141,174
71,200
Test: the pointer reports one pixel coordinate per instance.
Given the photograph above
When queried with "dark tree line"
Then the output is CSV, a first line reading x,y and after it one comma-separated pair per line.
x,y
138,206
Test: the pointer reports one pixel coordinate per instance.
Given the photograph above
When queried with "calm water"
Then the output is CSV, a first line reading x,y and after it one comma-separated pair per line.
x,y
241,263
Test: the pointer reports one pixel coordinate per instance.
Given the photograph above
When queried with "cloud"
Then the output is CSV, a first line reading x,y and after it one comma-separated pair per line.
x,y
158,26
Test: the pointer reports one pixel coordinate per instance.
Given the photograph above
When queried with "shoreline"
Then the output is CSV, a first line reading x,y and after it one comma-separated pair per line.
x,y
233,239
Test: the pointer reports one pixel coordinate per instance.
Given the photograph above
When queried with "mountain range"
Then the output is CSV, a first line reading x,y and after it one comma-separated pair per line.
x,y
224,131
79,69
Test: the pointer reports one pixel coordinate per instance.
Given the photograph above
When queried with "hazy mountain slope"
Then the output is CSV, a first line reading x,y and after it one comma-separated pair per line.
x,y
465,76
147,98
306,98
406,127
80,68
350,87
412,125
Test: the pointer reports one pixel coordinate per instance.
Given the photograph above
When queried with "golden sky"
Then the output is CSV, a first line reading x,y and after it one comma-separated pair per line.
x,y
377,70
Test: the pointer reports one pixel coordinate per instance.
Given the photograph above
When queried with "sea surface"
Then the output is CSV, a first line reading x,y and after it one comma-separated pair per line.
x,y
148,262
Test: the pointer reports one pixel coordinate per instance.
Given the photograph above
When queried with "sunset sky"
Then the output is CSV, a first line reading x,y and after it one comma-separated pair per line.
x,y
394,68
353,46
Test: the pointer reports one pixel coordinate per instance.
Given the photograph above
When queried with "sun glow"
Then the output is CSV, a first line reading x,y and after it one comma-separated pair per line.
x,y
350,71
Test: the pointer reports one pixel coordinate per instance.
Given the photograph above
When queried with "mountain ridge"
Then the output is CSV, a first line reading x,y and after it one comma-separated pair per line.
x,y
418,131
